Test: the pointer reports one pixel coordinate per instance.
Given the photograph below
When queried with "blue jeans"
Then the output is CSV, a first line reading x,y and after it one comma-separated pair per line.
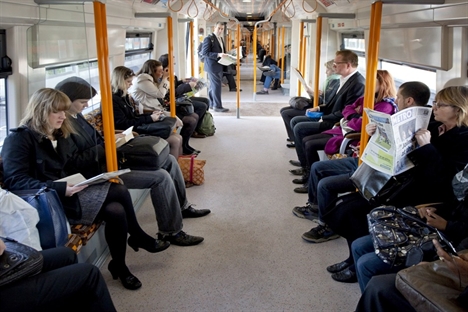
x,y
328,178
269,79
368,264
167,193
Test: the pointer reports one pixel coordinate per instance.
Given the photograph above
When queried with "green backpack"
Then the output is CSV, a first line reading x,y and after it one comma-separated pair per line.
x,y
207,126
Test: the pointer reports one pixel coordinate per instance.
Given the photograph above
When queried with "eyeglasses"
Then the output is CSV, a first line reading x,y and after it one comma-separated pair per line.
x,y
440,105
129,74
336,63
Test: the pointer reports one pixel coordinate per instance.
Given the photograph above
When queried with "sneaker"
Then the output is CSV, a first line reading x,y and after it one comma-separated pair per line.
x,y
320,234
181,239
309,211
262,92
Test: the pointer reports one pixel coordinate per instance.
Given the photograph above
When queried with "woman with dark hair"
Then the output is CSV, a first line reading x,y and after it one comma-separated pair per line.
x,y
149,88
36,155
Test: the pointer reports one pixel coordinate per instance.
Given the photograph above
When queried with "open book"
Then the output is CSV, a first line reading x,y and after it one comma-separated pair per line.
x,y
78,179
128,136
301,78
201,83
227,59
388,148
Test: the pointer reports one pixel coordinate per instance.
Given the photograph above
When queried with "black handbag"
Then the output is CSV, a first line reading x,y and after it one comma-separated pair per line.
x,y
377,187
52,225
400,236
18,261
143,153
184,106
300,102
161,128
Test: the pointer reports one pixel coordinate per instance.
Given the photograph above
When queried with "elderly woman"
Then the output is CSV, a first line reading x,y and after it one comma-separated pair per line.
x,y
442,152
36,154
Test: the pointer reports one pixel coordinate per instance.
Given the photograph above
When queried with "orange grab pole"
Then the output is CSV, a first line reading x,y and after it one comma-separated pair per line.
x,y
100,22
372,60
301,35
192,59
318,48
283,54
254,43
239,48
171,66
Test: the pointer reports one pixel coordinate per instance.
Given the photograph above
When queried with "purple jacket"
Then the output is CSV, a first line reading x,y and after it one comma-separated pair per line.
x,y
353,113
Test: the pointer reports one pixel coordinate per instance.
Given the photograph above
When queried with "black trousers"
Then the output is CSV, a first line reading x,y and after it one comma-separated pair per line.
x,y
63,285
288,113
200,106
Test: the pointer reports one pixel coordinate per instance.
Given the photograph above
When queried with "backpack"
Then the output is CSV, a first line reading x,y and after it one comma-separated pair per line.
x,y
201,57
207,126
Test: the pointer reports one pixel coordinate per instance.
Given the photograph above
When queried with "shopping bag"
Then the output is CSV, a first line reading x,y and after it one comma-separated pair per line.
x,y
192,169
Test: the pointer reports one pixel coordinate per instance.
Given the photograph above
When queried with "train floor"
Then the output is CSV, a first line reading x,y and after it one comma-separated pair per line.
x,y
253,257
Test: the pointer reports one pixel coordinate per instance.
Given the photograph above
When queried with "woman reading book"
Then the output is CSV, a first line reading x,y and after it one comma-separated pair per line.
x,y
36,154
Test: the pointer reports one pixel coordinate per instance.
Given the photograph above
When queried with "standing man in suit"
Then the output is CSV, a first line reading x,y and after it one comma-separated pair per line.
x,y
213,49
350,88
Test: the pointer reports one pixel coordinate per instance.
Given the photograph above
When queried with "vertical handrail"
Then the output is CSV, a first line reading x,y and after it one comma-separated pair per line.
x,y
371,67
304,59
239,49
283,54
318,48
301,35
254,43
102,46
192,58
170,55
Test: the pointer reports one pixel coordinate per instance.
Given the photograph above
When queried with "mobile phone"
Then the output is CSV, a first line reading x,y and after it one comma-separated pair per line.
x,y
448,245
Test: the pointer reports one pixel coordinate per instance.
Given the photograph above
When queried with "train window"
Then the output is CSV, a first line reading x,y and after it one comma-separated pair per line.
x,y
138,47
3,111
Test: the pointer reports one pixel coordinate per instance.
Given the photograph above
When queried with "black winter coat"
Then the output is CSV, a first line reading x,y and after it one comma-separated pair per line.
x,y
124,113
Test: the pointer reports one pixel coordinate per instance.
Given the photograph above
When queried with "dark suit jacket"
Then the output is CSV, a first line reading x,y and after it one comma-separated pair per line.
x,y
210,50
348,94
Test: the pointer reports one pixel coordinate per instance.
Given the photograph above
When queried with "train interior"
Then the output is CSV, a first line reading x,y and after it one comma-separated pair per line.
x,y
253,258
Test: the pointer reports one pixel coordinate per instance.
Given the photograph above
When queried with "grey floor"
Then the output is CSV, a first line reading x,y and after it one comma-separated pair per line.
x,y
253,257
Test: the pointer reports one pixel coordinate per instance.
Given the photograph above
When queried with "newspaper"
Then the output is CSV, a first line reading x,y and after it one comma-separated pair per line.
x,y
301,78
227,59
200,84
388,148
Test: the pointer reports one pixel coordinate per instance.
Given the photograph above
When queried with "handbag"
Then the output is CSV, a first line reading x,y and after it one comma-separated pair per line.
x,y
377,187
431,287
192,169
400,237
52,225
18,261
18,220
184,106
300,102
161,128
143,152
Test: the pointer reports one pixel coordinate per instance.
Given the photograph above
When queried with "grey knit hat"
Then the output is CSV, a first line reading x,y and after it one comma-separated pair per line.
x,y
76,88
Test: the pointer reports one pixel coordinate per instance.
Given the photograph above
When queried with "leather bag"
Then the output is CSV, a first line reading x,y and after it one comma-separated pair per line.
x,y
143,152
192,169
300,102
400,236
53,224
184,106
431,287
161,128
377,187
18,261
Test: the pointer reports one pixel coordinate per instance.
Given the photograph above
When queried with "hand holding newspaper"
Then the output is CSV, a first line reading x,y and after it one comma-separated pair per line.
x,y
78,179
393,140
227,59
301,78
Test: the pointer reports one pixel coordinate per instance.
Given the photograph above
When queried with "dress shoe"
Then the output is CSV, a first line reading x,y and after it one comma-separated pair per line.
x,y
345,276
197,135
235,90
221,110
190,212
128,280
337,267
291,145
298,171
296,163
302,180
304,189
150,245
289,140
181,239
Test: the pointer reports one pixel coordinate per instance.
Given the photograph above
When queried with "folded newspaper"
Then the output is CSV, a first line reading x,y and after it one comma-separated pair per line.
x,y
388,148
200,84
301,78
78,179
227,59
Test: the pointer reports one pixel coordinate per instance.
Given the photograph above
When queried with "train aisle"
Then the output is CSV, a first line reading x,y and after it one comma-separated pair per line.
x,y
253,257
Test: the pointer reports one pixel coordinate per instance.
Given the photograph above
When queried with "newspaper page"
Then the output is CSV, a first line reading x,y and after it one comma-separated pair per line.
x,y
227,59
301,78
388,148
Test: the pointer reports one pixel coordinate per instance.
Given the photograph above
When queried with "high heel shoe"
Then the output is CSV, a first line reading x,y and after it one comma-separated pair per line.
x,y
150,245
128,280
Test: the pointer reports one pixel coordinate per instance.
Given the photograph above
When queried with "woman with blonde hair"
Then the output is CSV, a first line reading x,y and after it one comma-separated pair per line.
x,y
125,115
38,153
